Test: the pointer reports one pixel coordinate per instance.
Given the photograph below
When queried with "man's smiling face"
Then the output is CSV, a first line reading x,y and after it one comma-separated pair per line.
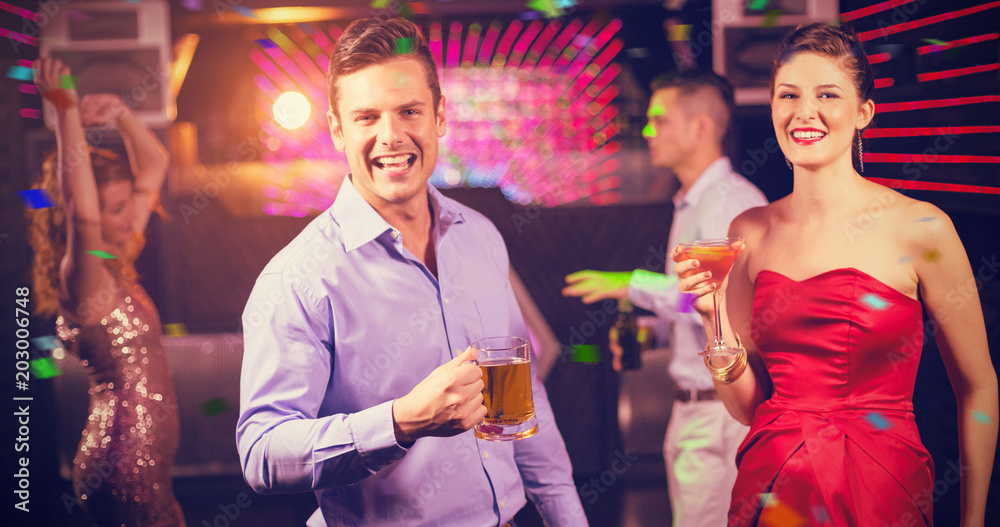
x,y
389,129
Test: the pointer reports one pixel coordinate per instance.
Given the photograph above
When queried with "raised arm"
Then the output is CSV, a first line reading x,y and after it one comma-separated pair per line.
x,y
81,274
147,156
742,396
949,291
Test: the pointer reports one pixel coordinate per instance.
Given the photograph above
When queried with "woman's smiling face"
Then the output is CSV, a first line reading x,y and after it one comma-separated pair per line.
x,y
816,110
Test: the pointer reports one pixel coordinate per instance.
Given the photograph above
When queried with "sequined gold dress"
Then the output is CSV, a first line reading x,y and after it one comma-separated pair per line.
x,y
122,469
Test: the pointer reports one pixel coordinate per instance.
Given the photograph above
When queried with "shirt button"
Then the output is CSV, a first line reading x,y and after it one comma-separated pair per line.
x,y
501,504
486,455
446,301
394,234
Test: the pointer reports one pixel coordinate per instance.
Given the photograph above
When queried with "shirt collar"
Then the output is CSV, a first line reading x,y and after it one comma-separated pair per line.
x,y
712,174
360,223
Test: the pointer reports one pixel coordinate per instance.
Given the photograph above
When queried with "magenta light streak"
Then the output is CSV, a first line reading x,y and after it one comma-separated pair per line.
x,y
323,42
454,42
471,43
298,76
572,50
266,86
503,50
435,45
538,49
488,42
28,88
522,44
559,45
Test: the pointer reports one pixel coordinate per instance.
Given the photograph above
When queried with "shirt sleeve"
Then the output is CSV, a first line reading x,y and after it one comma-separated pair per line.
x,y
542,460
284,445
656,292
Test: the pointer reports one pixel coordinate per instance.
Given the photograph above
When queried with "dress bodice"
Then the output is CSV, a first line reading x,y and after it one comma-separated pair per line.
x,y
838,340
836,443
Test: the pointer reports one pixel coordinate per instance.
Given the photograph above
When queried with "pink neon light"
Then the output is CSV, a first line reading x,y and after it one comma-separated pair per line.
x,y
454,41
471,42
31,113
503,50
35,17
31,41
435,44
906,26
939,103
938,75
933,48
927,185
884,83
489,41
921,158
28,88
871,10
939,130
879,58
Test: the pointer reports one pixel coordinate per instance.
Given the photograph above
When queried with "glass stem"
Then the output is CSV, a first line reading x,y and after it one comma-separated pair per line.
x,y
719,342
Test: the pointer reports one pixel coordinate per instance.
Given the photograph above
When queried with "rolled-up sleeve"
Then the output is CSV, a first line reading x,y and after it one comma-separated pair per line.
x,y
284,445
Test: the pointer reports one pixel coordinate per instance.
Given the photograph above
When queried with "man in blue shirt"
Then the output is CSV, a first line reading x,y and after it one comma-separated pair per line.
x,y
354,384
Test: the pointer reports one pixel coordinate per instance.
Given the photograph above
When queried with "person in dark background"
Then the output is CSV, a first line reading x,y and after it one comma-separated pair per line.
x,y
689,114
85,248
825,305
354,384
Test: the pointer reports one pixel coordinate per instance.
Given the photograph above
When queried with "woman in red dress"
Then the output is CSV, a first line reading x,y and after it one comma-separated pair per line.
x,y
826,301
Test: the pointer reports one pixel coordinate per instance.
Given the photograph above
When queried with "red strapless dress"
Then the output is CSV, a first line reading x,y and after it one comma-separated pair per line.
x,y
836,444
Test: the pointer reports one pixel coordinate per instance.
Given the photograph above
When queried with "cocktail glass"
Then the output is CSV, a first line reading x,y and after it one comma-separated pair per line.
x,y
716,255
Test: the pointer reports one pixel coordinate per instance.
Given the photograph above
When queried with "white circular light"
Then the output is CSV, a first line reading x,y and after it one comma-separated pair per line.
x,y
291,110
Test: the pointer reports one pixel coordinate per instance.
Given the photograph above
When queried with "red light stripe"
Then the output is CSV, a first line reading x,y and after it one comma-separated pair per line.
x,y
940,130
947,74
884,83
939,103
921,158
923,50
871,10
906,26
879,58
927,185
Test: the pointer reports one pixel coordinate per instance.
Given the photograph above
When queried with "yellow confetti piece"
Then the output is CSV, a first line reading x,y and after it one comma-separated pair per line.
x,y
680,32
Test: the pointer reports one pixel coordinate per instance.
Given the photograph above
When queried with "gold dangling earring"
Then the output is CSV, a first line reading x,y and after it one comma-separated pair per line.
x,y
861,154
789,163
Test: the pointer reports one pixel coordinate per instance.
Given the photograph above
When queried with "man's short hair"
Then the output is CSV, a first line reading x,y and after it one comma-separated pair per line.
x,y
698,81
371,41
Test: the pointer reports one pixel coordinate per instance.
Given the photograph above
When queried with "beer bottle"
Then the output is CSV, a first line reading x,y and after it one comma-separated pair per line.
x,y
628,333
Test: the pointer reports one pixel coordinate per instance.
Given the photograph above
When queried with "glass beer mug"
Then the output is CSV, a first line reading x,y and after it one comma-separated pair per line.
x,y
510,410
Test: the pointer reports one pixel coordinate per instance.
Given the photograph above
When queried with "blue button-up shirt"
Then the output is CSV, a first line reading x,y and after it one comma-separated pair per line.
x,y
343,321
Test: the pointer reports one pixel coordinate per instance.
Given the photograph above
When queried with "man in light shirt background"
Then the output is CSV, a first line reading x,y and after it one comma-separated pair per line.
x,y
689,115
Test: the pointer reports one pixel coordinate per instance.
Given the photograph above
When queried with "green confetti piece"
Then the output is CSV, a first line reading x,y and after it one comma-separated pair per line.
x,y
380,4
934,41
67,82
649,131
771,17
403,46
656,110
214,407
758,5
44,368
102,254
588,353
